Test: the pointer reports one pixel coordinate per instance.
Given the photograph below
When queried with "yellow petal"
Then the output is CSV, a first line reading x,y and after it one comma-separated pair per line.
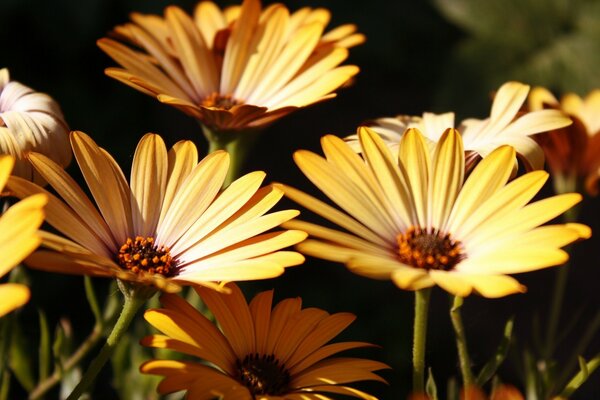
x,y
493,171
414,156
72,194
13,296
105,184
148,182
447,177
332,214
194,196
182,158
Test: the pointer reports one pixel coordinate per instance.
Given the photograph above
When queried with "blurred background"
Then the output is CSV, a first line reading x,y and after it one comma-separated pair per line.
x,y
419,56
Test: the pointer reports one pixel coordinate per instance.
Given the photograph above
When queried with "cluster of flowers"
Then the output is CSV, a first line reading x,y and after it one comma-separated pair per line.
x,y
421,203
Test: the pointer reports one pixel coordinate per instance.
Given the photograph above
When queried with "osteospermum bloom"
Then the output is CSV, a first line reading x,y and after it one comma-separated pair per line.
x,y
414,219
237,68
170,226
261,353
506,125
30,121
18,238
572,153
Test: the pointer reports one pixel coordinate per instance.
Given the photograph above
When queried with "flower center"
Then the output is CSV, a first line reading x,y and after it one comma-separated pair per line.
x,y
141,254
223,102
429,249
262,374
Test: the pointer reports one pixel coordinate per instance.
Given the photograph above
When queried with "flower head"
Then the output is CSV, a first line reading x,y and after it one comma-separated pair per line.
x,y
261,353
18,238
572,152
506,125
418,222
238,68
31,121
168,226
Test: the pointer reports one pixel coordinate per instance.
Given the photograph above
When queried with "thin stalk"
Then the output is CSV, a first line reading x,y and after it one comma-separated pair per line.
x,y
88,344
461,342
134,299
236,143
419,338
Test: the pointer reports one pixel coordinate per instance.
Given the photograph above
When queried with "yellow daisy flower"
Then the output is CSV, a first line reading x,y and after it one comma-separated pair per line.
x,y
169,226
260,354
30,121
238,68
18,238
419,222
506,125
573,153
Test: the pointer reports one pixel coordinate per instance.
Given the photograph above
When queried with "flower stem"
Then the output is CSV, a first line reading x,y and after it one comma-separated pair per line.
x,y
419,338
135,297
560,284
48,383
236,143
461,342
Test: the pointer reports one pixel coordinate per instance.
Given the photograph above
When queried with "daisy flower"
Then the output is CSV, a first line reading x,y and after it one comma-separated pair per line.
x,y
18,238
169,226
234,69
506,125
30,121
261,353
414,218
572,153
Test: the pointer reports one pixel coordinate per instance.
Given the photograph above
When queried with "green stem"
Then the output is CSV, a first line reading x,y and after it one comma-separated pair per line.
x,y
560,284
236,143
135,297
461,342
87,345
419,338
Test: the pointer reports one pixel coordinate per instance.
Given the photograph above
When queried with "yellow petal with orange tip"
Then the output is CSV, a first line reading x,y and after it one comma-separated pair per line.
x,y
13,296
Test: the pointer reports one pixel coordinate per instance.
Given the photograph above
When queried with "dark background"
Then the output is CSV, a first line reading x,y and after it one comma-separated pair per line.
x,y
417,58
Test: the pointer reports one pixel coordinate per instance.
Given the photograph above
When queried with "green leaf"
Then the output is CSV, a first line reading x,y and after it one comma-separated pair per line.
x,y
44,349
586,370
5,384
490,368
20,363
92,299
430,386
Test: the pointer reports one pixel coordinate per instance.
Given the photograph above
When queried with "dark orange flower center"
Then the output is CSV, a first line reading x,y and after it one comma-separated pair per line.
x,y
429,249
223,102
141,254
263,375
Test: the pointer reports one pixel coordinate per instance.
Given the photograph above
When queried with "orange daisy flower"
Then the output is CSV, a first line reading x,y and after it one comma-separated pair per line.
x,y
573,152
261,353
238,68
169,226
414,218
